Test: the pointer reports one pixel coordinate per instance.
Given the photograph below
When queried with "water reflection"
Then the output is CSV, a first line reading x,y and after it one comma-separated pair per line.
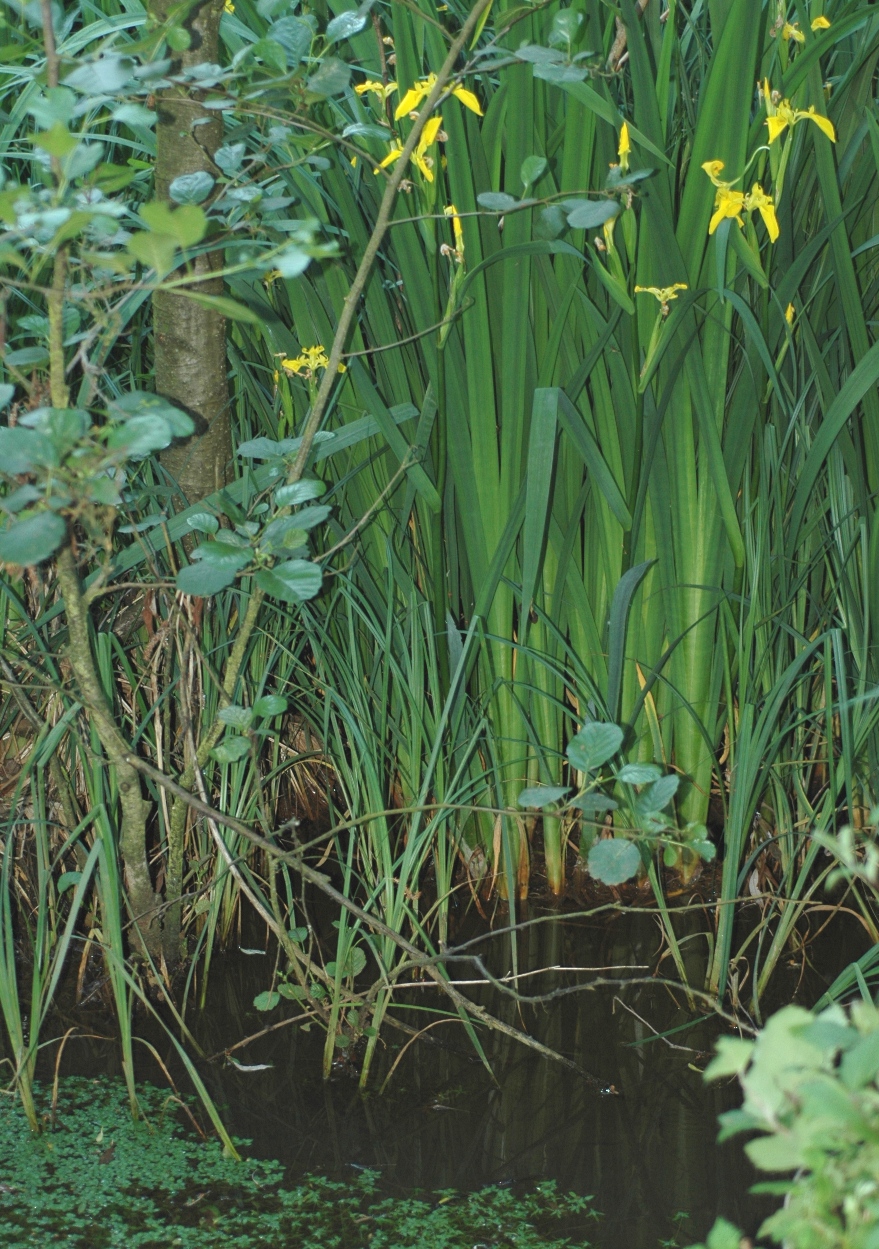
x,y
645,1154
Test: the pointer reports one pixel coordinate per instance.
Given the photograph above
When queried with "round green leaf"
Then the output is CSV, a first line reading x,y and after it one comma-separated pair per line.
x,y
298,935
25,450
541,795
178,39
591,214
239,718
68,881
293,992
141,436
144,403
659,795
705,849
639,773
27,357
594,804
594,745
204,522
32,540
212,573
345,25
269,705
294,581
231,749
299,492
496,201
532,170
191,188
266,1001
614,860
331,78
6,392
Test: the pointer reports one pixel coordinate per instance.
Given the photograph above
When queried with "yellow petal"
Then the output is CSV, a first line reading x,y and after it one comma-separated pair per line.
x,y
823,123
776,126
820,23
389,159
727,204
428,134
713,168
767,212
790,30
410,100
422,164
468,99
789,314
716,220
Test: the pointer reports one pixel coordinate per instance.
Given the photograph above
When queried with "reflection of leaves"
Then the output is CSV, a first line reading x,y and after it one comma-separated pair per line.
x,y
614,860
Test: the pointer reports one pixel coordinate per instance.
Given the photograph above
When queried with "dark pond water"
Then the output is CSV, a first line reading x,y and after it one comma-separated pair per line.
x,y
646,1155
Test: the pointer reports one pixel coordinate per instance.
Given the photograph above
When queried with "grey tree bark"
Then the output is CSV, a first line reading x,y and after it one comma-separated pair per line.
x,y
190,341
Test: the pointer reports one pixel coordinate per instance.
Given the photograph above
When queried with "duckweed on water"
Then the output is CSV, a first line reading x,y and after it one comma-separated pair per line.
x,y
97,1179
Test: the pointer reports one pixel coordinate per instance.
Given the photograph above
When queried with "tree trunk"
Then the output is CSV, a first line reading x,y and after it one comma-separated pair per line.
x,y
190,341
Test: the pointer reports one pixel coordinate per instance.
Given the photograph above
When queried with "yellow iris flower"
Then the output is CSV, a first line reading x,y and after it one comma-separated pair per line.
x,y
422,89
312,358
759,200
791,30
457,228
371,87
727,203
624,149
785,116
730,203
662,293
419,156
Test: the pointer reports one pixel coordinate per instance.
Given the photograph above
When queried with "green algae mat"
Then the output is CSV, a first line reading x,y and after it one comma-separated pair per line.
x,y
95,1179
